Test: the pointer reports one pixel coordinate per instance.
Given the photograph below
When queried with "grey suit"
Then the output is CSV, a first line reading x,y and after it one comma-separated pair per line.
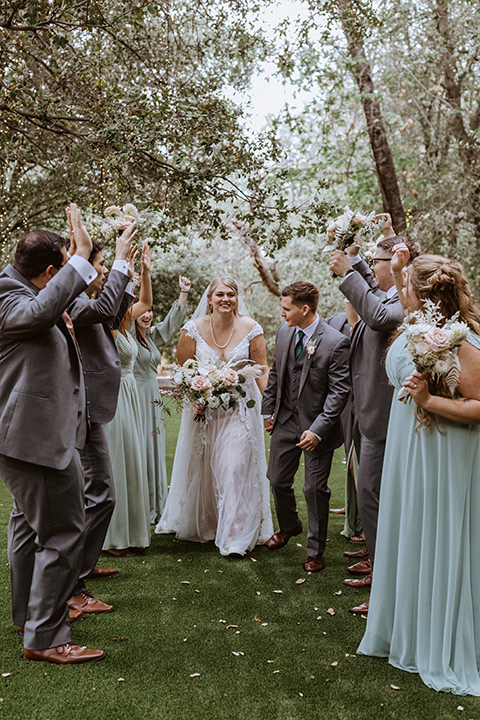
x,y
306,394
93,321
42,422
372,393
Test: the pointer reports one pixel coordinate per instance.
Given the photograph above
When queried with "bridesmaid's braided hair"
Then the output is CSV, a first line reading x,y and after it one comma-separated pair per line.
x,y
443,281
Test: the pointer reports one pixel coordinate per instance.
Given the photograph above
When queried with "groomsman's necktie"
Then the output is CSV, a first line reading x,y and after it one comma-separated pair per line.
x,y
299,345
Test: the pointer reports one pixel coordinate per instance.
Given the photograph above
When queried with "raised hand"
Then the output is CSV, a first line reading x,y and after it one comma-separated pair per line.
x,y
387,229
401,256
73,245
83,241
185,284
131,257
146,260
124,242
339,263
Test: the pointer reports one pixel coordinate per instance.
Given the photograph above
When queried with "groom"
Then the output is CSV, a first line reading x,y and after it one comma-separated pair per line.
x,y
306,392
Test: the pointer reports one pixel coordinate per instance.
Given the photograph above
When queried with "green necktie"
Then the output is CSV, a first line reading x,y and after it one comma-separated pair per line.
x,y
299,345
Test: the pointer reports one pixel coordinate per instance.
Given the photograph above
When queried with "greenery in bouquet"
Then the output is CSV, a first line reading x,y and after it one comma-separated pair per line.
x,y
433,344
212,384
349,228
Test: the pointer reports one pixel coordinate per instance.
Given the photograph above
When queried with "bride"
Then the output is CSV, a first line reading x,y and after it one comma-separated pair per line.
x,y
219,489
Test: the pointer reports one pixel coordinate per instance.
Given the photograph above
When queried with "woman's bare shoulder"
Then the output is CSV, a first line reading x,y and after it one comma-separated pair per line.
x,y
247,322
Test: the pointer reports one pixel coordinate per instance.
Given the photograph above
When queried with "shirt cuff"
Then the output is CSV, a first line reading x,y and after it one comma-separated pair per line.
x,y
130,289
121,266
86,271
356,258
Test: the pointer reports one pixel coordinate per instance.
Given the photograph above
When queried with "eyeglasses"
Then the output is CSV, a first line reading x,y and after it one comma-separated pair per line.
x,y
375,260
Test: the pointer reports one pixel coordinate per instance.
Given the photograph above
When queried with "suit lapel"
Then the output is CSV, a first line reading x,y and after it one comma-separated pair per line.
x,y
316,338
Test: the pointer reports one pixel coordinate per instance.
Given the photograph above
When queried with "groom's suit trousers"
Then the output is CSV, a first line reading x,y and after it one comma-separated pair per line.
x,y
284,461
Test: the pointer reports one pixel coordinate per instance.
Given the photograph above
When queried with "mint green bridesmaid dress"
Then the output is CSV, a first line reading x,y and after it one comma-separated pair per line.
x,y
130,523
145,371
424,611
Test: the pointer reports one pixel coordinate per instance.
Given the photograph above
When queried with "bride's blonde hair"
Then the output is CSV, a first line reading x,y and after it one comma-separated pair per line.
x,y
224,280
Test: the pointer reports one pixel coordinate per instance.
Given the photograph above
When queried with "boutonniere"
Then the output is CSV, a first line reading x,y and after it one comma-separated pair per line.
x,y
310,348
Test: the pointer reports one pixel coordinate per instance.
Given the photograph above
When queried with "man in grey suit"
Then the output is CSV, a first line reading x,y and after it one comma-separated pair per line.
x,y
376,301
306,392
93,320
43,422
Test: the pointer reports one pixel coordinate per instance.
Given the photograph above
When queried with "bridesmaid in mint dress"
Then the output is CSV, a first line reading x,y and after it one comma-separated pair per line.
x,y
424,613
129,527
149,340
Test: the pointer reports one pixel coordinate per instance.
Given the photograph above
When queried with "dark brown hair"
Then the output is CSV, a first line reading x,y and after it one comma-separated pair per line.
x,y
388,244
302,293
36,250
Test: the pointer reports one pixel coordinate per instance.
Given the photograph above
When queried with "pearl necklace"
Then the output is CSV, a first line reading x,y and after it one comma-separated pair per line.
x,y
221,347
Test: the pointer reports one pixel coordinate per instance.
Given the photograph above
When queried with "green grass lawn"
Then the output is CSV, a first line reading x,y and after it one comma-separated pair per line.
x,y
197,636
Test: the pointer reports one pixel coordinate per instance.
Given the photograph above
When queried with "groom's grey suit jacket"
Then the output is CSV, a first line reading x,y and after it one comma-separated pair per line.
x,y
372,393
323,386
93,321
42,388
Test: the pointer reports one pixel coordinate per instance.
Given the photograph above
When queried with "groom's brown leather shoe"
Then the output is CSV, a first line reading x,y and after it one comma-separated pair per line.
x,y
279,539
361,568
86,603
359,583
67,654
314,564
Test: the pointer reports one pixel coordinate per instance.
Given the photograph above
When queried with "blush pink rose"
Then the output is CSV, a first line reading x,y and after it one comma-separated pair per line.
x,y
200,383
230,377
122,223
438,339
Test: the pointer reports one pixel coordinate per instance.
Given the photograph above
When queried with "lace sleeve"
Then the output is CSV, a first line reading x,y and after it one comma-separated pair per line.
x,y
255,331
191,330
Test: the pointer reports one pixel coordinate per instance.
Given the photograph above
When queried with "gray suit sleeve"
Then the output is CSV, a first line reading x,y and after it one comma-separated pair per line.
x,y
106,307
338,389
164,331
269,398
378,315
23,314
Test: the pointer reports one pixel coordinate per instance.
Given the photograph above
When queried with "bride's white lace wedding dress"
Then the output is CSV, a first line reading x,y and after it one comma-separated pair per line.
x,y
219,489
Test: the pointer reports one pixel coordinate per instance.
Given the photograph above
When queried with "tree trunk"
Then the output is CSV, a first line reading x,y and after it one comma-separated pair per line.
x,y
387,177
268,275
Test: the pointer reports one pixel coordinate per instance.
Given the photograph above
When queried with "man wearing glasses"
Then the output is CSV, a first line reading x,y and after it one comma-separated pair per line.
x,y
374,297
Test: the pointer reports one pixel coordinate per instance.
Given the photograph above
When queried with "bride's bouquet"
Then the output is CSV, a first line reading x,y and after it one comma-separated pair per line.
x,y
433,344
349,228
212,384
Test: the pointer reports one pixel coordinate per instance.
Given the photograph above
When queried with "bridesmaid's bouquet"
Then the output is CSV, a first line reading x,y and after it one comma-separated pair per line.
x,y
433,344
212,384
117,219
348,228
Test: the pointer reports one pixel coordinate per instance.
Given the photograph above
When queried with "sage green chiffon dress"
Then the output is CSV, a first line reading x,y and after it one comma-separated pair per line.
x,y
424,611
130,523
145,371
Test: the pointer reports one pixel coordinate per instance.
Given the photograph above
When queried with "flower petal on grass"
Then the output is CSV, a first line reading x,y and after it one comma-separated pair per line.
x,y
299,581
195,675
394,687
334,664
331,611
278,592
237,653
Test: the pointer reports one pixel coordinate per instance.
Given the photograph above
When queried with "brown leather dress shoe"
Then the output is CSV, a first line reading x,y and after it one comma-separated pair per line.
x,y
364,567
314,564
86,603
73,616
337,511
279,539
357,554
359,583
67,654
100,573
360,609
